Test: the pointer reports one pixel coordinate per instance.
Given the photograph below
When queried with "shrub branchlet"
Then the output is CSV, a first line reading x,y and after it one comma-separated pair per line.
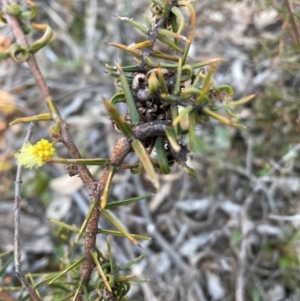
x,y
167,96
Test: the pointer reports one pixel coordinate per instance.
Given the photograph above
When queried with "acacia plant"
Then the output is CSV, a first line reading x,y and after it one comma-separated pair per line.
x,y
160,90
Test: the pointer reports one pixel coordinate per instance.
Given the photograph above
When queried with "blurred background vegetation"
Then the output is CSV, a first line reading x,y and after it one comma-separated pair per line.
x,y
212,235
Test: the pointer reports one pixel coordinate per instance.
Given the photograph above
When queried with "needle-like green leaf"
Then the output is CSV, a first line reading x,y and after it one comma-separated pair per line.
x,y
221,118
119,226
176,11
208,82
120,234
145,159
189,92
162,81
99,269
178,78
174,112
133,112
5,264
124,127
91,161
105,193
153,83
162,156
77,290
190,171
40,117
128,201
84,224
118,97
138,169
172,138
135,24
69,268
111,261
192,132
191,29
181,115
132,262
64,225
129,49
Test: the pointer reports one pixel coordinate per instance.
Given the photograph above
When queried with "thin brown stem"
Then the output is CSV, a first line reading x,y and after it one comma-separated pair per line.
x,y
17,253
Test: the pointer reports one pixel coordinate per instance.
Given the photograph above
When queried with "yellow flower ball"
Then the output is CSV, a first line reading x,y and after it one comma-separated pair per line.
x,y
35,155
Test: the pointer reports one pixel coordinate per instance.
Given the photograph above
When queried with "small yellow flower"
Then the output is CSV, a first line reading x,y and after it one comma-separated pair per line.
x,y
35,155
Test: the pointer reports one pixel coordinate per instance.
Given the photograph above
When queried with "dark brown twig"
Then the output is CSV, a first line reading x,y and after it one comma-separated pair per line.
x,y
120,151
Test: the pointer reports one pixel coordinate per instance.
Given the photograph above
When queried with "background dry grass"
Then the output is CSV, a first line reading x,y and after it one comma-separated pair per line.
x,y
222,236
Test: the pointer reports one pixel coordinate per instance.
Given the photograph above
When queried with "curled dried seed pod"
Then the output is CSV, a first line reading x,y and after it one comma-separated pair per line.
x,y
140,87
139,81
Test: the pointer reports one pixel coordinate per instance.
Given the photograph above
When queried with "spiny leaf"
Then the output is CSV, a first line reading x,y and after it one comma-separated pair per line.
x,y
191,29
119,226
181,115
127,201
69,268
87,218
162,156
161,55
105,193
118,97
191,131
129,49
176,11
91,161
64,225
138,169
178,78
124,127
44,40
172,138
188,73
145,159
132,262
162,81
166,32
120,234
206,85
133,112
40,117
153,83
131,68
190,171
99,269
135,24
221,118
